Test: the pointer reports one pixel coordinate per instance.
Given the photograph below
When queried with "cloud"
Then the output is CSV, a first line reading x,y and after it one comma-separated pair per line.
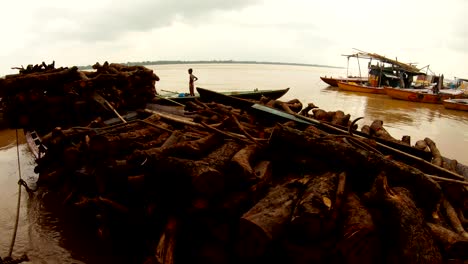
x,y
107,22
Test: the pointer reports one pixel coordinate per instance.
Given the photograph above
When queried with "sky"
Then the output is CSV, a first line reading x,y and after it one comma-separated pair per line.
x,y
75,33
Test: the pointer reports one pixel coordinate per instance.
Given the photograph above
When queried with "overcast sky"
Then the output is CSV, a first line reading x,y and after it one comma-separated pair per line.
x,y
300,31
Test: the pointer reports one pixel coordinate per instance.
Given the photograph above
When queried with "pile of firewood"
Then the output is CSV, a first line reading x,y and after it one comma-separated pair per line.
x,y
43,97
228,187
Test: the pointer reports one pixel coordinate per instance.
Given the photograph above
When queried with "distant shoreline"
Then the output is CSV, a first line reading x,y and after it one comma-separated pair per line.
x,y
144,63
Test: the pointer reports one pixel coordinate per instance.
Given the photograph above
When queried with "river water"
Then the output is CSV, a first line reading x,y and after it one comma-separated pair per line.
x,y
48,234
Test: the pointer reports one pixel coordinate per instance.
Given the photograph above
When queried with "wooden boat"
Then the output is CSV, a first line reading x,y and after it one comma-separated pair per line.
x,y
173,99
456,104
422,96
361,88
333,81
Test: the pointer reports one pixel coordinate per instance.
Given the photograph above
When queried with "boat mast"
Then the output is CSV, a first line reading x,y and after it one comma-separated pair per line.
x,y
359,66
347,68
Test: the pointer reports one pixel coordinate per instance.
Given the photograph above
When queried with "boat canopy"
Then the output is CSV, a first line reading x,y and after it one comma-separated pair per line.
x,y
397,65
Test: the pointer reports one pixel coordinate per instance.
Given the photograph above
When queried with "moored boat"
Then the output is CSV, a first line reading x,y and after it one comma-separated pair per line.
x,y
422,96
333,81
362,88
456,104
181,98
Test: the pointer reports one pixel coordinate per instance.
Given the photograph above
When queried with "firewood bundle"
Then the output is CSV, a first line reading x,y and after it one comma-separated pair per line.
x,y
229,187
44,97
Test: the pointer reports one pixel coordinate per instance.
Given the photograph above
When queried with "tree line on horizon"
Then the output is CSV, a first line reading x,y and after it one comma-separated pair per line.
x,y
165,62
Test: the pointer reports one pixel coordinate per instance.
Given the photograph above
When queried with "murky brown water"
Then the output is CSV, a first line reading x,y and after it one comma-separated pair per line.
x,y
50,235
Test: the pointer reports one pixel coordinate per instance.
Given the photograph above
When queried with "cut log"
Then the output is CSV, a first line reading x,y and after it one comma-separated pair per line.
x,y
305,111
366,130
378,130
452,218
453,245
421,144
406,139
194,148
266,221
360,242
436,156
175,137
241,162
321,115
165,251
311,217
263,173
205,175
407,237
339,118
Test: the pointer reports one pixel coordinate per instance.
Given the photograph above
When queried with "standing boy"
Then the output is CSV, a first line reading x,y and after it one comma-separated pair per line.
x,y
192,79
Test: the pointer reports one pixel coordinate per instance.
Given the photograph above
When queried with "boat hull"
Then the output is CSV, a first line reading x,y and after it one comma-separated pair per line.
x,y
334,81
252,95
419,96
354,87
456,104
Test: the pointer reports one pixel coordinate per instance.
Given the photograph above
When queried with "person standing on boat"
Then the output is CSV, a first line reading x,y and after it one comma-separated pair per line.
x,y
192,80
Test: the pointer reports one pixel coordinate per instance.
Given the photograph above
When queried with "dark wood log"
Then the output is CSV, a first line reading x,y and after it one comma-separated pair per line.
x,y
407,237
378,130
360,242
206,175
305,111
339,118
266,221
366,130
194,148
421,144
340,197
46,80
361,162
263,173
222,156
175,137
241,162
452,244
299,253
311,217
165,250
436,156
407,140
321,115
452,218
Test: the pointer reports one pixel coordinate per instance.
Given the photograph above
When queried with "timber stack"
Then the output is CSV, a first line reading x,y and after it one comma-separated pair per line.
x,y
43,97
229,187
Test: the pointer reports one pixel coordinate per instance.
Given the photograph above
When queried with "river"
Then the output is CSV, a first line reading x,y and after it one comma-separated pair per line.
x,y
48,234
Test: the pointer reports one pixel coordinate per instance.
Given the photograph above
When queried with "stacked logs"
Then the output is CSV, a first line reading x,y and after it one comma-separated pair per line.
x,y
232,188
376,130
43,97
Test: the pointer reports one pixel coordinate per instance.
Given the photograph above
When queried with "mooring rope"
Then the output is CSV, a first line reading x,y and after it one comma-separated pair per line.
x,y
21,182
19,198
